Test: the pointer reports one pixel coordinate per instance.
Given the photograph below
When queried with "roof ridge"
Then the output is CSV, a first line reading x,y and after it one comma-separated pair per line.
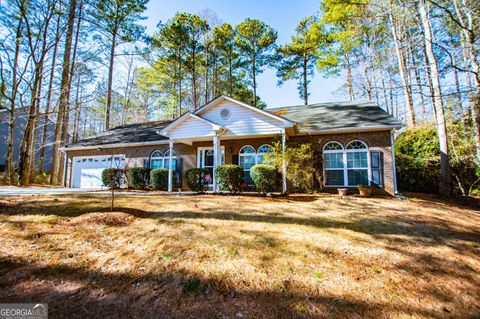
x,y
339,103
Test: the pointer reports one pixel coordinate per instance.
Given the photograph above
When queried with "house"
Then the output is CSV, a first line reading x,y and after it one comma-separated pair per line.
x,y
20,124
355,140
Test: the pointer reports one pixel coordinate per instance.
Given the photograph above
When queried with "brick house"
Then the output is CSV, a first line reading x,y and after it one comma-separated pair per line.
x,y
355,141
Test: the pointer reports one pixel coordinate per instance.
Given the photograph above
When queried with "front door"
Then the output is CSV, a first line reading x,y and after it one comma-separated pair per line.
x,y
205,159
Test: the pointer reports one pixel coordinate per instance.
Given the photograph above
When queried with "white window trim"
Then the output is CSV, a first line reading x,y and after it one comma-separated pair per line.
x,y
345,168
254,154
261,153
163,157
203,148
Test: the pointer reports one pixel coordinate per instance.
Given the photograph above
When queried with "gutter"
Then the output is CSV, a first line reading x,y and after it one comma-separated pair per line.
x,y
351,129
117,145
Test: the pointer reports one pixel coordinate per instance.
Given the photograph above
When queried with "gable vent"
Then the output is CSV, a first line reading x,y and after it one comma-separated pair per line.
x,y
225,114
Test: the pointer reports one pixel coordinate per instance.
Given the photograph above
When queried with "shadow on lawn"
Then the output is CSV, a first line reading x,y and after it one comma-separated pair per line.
x,y
79,293
434,231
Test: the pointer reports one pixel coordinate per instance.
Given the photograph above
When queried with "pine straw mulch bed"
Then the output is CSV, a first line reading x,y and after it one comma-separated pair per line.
x,y
210,256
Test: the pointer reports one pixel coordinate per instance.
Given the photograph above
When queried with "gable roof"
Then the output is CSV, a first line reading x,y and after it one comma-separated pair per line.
x,y
213,102
340,116
320,117
126,134
186,116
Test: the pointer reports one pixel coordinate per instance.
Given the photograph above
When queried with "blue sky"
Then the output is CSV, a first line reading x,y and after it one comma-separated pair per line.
x,y
282,15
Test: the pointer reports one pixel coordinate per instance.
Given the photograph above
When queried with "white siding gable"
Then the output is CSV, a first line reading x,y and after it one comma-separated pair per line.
x,y
191,128
242,121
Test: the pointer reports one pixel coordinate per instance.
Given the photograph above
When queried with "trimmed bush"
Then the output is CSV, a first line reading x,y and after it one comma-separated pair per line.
x,y
159,178
113,177
264,177
229,177
138,177
196,180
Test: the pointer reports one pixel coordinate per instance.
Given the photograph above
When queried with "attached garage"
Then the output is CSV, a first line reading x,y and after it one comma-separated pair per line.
x,y
87,171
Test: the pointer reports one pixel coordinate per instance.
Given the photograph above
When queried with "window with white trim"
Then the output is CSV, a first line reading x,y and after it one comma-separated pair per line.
x,y
357,163
263,150
333,164
156,159
167,159
159,159
247,159
345,167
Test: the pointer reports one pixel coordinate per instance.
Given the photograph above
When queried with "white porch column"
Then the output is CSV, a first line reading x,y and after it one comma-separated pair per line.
x,y
284,165
170,171
217,155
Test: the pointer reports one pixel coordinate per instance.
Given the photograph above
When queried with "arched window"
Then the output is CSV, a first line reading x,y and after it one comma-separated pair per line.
x,y
357,163
167,159
346,167
262,151
247,159
156,159
333,164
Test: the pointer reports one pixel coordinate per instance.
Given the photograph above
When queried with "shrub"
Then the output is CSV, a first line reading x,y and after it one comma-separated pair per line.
x,y
264,177
196,179
113,177
417,158
229,177
159,178
138,177
43,178
300,164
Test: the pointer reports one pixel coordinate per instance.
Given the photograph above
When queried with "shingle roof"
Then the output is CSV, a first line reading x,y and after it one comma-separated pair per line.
x,y
130,133
337,115
313,117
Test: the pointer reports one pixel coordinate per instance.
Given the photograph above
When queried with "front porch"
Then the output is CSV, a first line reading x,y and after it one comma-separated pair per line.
x,y
208,153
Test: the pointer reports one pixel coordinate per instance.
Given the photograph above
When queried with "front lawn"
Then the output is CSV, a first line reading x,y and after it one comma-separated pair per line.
x,y
212,256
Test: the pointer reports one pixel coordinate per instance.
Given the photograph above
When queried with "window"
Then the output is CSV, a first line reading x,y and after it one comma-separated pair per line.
x,y
262,151
166,161
346,167
357,163
247,158
333,164
158,159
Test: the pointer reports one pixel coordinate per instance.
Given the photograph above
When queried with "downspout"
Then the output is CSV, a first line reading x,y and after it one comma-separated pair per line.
x,y
392,142
284,167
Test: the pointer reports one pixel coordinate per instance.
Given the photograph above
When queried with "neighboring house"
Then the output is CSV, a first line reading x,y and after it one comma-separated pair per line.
x,y
356,140
20,124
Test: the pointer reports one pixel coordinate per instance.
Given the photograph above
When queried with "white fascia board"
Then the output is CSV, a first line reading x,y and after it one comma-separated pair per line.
x,y
204,108
118,145
183,118
350,129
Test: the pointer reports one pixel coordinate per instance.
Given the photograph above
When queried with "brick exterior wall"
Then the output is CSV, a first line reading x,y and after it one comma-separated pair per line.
x,y
134,156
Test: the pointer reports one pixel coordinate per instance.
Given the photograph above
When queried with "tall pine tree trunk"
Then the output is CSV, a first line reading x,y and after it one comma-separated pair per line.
x,y
305,83
351,95
13,98
468,32
110,81
444,186
410,114
64,94
46,121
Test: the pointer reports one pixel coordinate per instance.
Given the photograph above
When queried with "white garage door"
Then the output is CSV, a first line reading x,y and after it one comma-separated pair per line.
x,y
87,171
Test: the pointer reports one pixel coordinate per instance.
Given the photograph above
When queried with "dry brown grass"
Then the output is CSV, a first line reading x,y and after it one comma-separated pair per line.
x,y
232,256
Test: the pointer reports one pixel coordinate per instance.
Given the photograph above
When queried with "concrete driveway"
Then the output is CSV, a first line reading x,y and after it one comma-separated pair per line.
x,y
15,191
